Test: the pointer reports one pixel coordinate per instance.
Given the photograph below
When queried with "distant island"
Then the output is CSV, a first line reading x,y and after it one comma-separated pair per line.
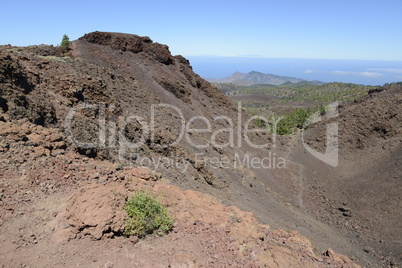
x,y
253,78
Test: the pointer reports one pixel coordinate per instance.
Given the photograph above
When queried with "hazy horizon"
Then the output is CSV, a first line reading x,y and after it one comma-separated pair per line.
x,y
363,30
292,38
367,72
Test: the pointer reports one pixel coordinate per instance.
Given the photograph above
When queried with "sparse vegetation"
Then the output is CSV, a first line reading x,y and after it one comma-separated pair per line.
x,y
393,85
294,120
14,50
146,215
55,58
286,123
326,93
294,103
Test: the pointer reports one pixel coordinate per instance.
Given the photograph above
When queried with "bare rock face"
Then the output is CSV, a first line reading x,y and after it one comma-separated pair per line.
x,y
46,51
362,194
368,122
96,211
131,43
127,74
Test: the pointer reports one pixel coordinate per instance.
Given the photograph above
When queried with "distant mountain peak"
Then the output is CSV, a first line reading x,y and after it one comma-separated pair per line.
x,y
255,72
254,77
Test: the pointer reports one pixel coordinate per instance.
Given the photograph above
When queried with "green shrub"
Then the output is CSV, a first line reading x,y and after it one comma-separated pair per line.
x,y
260,123
146,215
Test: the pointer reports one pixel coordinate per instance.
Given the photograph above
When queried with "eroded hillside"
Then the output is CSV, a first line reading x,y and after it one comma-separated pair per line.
x,y
76,127
59,208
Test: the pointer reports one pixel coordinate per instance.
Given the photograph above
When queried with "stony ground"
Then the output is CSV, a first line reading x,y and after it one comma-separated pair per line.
x,y
61,209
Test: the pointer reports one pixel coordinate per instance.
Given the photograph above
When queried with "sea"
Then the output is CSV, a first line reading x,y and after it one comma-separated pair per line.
x,y
365,72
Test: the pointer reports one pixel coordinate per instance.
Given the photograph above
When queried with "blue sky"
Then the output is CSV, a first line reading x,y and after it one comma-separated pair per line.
x,y
319,29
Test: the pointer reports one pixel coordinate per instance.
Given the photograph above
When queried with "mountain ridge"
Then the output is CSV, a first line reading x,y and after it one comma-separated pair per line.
x,y
254,77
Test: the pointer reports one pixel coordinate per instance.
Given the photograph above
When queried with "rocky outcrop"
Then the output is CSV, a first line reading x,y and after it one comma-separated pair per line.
x,y
131,43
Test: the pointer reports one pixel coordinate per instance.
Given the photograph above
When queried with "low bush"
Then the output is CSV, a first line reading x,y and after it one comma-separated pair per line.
x,y
146,215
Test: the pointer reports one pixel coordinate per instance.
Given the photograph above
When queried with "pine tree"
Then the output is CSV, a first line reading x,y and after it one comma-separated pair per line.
x,y
65,42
